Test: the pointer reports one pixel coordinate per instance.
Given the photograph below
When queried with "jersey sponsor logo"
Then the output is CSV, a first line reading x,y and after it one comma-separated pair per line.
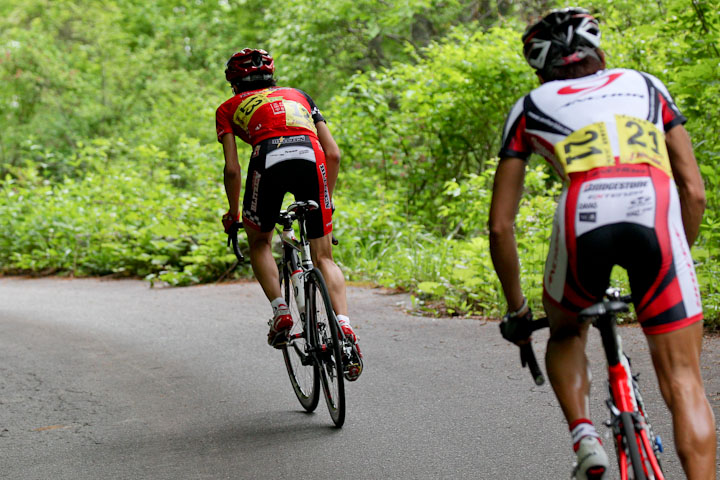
x,y
326,193
587,217
289,153
640,205
640,201
255,191
594,187
294,139
278,108
587,87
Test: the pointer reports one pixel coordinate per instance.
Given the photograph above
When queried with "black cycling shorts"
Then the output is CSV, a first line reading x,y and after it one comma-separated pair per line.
x,y
294,164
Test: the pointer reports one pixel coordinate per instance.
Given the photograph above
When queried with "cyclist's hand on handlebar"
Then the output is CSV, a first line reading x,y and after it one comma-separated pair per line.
x,y
231,223
517,329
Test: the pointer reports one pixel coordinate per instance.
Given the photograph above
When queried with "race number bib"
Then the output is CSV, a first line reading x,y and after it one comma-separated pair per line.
x,y
640,141
585,149
249,106
296,115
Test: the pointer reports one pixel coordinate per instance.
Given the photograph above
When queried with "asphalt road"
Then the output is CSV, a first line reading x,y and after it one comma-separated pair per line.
x,y
116,380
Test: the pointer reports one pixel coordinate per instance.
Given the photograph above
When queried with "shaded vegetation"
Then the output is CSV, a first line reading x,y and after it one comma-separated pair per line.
x,y
109,163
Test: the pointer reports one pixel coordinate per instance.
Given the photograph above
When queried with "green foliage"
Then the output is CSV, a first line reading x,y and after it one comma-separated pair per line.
x,y
417,126
109,163
339,38
116,220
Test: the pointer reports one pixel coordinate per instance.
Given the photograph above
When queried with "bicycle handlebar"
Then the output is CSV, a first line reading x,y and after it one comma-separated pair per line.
x,y
287,217
232,239
614,304
527,354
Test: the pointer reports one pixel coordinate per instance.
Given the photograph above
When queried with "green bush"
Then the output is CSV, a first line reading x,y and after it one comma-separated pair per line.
x,y
109,163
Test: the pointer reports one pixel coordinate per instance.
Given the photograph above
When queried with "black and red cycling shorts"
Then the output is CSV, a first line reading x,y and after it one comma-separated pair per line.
x,y
294,164
627,216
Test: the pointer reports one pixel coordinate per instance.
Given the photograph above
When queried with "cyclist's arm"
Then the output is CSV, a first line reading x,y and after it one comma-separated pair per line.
x,y
332,154
687,177
232,173
507,191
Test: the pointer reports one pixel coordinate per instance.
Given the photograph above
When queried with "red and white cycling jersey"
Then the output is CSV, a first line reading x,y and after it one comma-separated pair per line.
x,y
271,112
604,134
287,156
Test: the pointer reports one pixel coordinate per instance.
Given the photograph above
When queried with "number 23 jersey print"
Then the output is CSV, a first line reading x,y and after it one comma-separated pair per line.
x,y
612,117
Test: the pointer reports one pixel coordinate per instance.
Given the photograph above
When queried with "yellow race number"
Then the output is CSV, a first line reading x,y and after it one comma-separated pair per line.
x,y
585,149
642,142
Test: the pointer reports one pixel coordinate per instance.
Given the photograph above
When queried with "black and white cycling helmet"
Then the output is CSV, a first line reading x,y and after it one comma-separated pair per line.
x,y
562,37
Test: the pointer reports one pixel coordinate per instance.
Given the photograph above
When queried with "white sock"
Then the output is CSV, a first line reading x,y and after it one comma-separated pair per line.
x,y
278,303
343,320
581,429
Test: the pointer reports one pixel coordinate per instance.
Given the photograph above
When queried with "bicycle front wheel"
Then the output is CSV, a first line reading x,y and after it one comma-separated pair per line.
x,y
301,366
327,333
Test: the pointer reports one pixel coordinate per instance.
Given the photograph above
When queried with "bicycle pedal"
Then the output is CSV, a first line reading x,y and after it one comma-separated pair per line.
x,y
352,371
352,366
278,341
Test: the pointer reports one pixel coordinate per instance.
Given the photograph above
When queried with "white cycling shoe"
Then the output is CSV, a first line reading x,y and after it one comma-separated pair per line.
x,y
592,461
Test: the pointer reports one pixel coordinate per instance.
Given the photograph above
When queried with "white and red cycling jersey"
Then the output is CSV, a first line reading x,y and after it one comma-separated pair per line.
x,y
604,134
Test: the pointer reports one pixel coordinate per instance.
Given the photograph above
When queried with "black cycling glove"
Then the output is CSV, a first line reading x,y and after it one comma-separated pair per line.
x,y
517,328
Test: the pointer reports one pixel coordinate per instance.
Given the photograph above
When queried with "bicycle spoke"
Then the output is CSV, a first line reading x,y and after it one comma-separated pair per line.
x,y
302,370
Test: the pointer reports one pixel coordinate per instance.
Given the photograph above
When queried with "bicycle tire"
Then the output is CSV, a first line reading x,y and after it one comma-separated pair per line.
x,y
650,441
629,434
301,365
327,333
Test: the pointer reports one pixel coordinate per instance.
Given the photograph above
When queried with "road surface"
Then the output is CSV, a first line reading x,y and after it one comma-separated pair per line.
x,y
117,380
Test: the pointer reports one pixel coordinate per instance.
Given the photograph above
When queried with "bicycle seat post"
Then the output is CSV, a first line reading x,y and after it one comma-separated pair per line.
x,y
300,211
612,293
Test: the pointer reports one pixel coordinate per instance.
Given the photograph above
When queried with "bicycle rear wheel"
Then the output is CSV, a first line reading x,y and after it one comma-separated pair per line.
x,y
631,441
651,444
327,332
301,366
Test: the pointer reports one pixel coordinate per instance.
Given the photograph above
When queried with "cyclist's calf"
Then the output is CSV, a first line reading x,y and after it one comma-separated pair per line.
x,y
676,357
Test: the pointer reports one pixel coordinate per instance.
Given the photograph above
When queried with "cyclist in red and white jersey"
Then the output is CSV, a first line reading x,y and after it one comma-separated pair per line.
x,y
292,151
633,197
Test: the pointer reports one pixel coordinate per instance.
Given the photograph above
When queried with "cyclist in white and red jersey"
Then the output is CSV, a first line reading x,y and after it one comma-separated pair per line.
x,y
292,151
633,197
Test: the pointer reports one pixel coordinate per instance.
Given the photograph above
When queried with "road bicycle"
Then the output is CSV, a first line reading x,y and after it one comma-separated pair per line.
x,y
317,351
636,445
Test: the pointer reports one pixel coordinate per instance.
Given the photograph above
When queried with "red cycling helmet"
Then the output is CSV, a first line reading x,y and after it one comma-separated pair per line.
x,y
248,65
562,37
